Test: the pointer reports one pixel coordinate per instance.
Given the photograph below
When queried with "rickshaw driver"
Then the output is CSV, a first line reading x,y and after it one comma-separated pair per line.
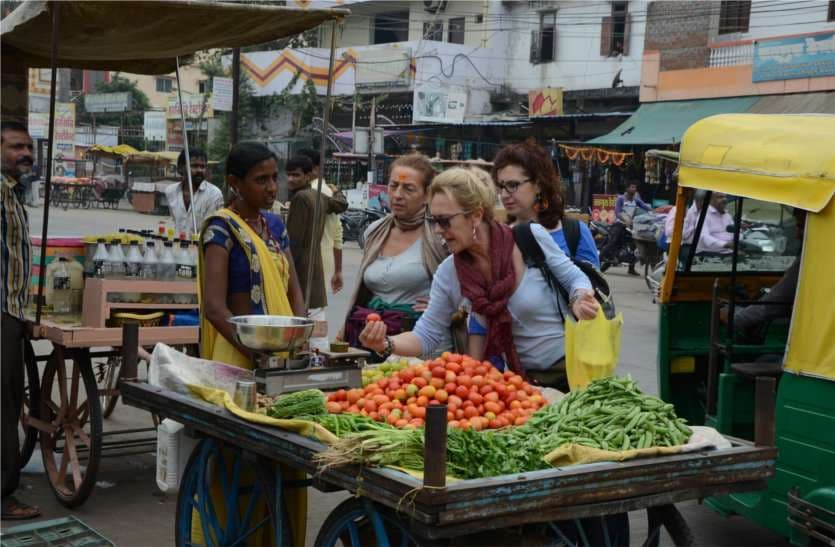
x,y
749,320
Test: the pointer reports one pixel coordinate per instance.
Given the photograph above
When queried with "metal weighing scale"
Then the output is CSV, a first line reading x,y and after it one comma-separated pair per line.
x,y
280,365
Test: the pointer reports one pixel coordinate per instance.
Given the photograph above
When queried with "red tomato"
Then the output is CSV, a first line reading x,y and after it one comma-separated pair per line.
x,y
334,407
462,391
373,317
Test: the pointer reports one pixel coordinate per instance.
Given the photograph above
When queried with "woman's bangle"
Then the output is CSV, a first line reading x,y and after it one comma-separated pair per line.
x,y
388,349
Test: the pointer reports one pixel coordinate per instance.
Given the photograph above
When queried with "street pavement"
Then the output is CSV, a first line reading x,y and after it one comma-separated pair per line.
x,y
127,507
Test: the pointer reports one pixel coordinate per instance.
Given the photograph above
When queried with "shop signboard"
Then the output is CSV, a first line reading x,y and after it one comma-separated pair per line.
x,y
174,135
545,102
108,102
63,151
603,207
378,197
439,104
155,126
222,93
810,56
195,106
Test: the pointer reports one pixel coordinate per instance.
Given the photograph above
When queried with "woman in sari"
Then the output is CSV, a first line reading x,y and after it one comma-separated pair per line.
x,y
246,267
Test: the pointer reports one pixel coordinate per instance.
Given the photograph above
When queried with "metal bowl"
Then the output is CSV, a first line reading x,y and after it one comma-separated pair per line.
x,y
272,332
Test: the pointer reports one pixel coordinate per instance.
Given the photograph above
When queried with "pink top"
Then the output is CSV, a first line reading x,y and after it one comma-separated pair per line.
x,y
714,232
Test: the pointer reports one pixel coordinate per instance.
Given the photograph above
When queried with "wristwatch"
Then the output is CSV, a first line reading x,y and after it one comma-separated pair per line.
x,y
388,349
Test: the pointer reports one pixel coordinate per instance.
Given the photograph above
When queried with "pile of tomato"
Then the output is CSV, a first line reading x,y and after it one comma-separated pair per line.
x,y
477,395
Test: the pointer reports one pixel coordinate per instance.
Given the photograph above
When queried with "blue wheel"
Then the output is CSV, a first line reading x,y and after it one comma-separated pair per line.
x,y
224,500
357,522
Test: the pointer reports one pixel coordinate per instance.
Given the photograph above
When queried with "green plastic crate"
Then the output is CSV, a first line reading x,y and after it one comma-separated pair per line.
x,y
63,532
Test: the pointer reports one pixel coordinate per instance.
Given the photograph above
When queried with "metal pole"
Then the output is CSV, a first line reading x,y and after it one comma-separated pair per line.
x,y
372,167
185,147
236,96
53,61
318,227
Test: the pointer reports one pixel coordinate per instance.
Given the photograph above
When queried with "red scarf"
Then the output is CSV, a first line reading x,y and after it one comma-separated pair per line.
x,y
490,299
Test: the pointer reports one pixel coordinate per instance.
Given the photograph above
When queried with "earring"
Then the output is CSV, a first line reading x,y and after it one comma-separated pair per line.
x,y
475,233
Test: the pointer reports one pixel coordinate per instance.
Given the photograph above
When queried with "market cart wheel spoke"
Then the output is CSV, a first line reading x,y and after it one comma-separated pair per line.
x,y
359,522
228,496
107,377
71,445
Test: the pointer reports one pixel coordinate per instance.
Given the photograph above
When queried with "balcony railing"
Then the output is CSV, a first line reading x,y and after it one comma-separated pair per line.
x,y
731,54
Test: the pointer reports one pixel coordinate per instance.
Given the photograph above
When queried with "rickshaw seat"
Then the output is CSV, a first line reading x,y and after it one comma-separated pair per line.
x,y
750,371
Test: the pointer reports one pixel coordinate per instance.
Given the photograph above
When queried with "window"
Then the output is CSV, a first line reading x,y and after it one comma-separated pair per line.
x,y
734,16
830,16
614,31
77,79
456,30
204,86
391,27
165,85
433,31
544,40
479,19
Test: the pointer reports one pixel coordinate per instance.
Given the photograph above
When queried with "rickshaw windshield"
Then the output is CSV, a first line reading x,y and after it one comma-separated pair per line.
x,y
769,238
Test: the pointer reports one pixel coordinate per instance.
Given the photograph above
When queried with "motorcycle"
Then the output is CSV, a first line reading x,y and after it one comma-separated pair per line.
x,y
626,254
355,222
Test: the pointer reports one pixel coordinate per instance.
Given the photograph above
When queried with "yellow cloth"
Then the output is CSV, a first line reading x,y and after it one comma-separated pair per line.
x,y
591,349
810,349
214,346
573,454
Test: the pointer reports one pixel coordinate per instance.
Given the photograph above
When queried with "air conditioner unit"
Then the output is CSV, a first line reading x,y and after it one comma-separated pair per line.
x,y
434,6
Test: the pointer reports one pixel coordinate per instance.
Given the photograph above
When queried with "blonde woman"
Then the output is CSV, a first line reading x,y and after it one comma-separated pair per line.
x,y
512,325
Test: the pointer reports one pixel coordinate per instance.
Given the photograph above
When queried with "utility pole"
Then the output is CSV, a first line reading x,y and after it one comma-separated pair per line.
x,y
236,96
372,175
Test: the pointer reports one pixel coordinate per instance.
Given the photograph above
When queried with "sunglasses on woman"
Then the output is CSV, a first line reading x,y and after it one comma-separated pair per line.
x,y
510,186
443,221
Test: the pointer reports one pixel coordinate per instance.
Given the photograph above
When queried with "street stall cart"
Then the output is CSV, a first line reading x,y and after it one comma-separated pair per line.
x,y
124,36
583,504
148,175
734,359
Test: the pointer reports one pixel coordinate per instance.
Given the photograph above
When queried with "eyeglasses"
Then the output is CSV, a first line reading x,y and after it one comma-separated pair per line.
x,y
443,221
510,186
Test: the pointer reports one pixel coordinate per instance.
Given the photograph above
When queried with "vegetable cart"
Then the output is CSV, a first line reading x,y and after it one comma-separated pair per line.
x,y
392,507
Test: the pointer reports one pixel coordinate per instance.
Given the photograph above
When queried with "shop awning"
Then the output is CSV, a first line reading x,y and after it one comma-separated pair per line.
x,y
665,122
796,103
146,37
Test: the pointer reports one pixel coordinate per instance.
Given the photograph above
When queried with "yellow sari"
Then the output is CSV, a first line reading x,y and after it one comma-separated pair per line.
x,y
270,274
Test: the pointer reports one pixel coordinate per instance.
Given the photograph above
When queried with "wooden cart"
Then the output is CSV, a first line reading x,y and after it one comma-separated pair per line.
x,y
67,402
393,507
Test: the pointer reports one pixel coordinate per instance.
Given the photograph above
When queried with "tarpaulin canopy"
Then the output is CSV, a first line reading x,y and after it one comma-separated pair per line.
x,y
788,159
120,150
666,122
146,37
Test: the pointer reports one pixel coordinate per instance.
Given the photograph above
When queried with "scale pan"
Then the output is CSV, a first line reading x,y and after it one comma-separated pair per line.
x,y
272,333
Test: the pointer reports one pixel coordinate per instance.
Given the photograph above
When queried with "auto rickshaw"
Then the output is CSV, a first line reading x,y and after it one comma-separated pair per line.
x,y
772,382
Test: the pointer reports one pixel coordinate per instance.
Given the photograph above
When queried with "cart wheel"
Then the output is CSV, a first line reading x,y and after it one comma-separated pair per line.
x,y
31,402
605,531
357,522
213,464
107,380
70,427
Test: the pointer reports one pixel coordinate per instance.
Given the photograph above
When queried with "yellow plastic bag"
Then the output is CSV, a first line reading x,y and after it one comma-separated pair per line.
x,y
591,349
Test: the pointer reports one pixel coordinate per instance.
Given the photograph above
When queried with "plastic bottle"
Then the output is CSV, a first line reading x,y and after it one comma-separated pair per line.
x,y
133,267
114,266
173,450
167,266
186,271
148,271
61,288
100,258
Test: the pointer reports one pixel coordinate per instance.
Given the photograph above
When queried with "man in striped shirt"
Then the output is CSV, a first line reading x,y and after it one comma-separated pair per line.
x,y
16,265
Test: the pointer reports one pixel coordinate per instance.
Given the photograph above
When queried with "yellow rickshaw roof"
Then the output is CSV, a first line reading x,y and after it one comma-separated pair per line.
x,y
788,159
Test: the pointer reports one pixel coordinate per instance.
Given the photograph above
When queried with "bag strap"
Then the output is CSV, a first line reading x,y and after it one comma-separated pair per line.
x,y
534,257
571,229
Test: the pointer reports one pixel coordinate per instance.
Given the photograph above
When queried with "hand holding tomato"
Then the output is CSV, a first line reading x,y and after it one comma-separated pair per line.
x,y
373,336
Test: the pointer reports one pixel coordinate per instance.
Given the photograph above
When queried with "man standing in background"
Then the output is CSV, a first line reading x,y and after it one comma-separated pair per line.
x,y
207,197
301,228
332,234
17,268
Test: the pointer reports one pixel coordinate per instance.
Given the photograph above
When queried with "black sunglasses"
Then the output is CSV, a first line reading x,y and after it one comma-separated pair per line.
x,y
443,221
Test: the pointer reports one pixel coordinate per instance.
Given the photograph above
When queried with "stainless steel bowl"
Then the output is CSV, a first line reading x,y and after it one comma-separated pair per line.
x,y
272,332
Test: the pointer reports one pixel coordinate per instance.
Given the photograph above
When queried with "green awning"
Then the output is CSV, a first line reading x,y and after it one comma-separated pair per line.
x,y
665,122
